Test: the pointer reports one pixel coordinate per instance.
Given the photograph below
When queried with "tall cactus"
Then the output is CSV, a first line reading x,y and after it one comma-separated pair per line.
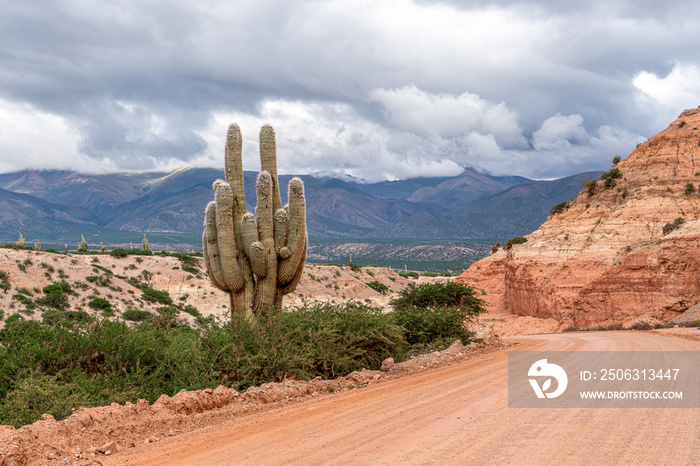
x,y
83,244
144,243
20,241
257,258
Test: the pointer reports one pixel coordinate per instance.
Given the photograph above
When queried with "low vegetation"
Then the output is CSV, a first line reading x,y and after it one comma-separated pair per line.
x,y
59,364
610,176
674,225
559,208
513,241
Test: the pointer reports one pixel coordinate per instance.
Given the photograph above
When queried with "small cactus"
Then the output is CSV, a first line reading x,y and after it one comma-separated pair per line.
x,y
144,243
20,241
66,251
83,244
102,248
258,258
37,246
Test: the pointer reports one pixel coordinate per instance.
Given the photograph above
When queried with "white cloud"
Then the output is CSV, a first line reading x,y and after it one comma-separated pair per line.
x,y
679,90
447,115
559,133
380,89
30,138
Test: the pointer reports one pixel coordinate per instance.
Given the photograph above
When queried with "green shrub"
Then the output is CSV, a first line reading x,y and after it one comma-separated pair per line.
x,y
590,186
101,362
136,315
616,160
689,189
22,298
516,240
191,310
58,316
155,296
4,281
410,274
13,318
610,176
435,314
559,208
121,252
378,286
2,314
54,297
103,305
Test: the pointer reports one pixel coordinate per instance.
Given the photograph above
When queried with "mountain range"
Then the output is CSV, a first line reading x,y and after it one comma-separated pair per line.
x,y
53,204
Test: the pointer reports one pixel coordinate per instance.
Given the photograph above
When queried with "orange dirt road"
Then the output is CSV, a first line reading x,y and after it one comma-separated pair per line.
x,y
456,414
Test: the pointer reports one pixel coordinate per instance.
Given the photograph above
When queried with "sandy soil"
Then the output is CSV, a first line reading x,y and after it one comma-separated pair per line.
x,y
455,414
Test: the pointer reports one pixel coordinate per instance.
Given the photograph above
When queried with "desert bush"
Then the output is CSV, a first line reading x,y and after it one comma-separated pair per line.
x,y
98,362
641,325
121,252
674,225
689,189
136,315
155,296
54,297
410,274
435,314
610,176
13,318
496,247
559,208
378,286
4,281
616,160
103,305
513,241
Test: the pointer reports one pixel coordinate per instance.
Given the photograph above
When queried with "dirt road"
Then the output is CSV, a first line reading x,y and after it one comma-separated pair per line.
x,y
452,415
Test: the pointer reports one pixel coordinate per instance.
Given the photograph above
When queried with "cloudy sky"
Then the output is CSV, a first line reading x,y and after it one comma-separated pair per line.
x,y
375,89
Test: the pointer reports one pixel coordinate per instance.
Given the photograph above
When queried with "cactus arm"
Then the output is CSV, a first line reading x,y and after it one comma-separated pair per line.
x,y
249,232
228,252
266,287
291,286
257,260
281,230
268,162
297,238
211,249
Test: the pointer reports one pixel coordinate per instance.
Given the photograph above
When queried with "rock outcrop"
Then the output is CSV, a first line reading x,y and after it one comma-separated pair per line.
x,y
618,253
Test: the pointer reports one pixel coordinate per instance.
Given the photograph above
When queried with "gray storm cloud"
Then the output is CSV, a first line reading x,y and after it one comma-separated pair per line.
x,y
378,90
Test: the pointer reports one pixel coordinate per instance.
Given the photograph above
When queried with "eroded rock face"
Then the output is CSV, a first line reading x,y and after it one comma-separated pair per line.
x,y
606,258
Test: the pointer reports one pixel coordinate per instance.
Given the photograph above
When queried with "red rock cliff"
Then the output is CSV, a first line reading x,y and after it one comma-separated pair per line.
x,y
607,258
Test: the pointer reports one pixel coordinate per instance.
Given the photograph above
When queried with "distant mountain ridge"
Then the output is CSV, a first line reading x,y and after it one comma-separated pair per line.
x,y
469,205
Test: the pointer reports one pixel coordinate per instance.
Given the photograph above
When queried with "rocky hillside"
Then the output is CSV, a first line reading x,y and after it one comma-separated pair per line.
x,y
183,288
625,249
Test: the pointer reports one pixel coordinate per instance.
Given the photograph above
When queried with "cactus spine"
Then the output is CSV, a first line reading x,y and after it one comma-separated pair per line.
x,y
20,241
144,243
257,258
